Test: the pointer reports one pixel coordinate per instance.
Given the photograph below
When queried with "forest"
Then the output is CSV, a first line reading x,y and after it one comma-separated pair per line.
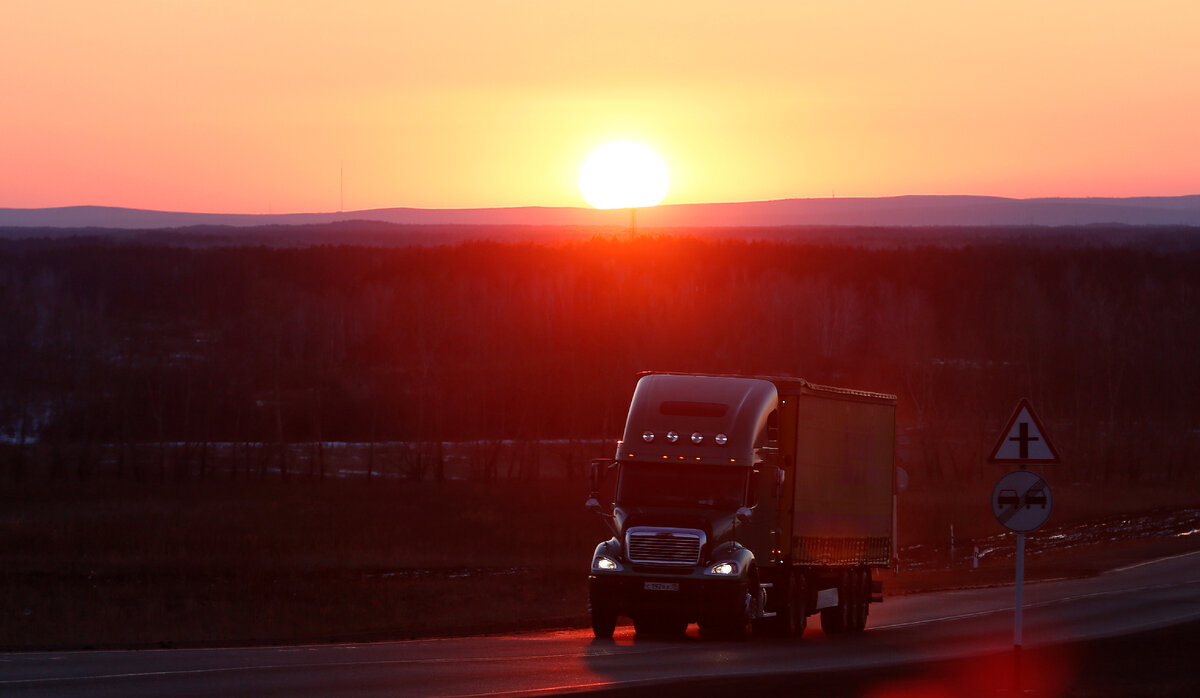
x,y
115,348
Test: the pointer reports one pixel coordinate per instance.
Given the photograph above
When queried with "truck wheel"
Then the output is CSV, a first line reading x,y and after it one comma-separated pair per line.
x,y
790,619
833,620
737,622
840,618
798,605
604,622
862,600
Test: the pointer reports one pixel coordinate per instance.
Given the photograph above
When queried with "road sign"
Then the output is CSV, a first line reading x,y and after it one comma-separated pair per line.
x,y
1021,501
1024,440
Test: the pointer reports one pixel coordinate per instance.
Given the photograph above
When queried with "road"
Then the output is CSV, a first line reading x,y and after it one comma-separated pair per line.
x,y
920,628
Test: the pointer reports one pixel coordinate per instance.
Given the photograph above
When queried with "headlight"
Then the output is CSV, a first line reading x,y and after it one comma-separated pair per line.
x,y
604,563
724,569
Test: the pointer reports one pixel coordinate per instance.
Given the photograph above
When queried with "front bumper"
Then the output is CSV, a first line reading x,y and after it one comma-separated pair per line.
x,y
694,597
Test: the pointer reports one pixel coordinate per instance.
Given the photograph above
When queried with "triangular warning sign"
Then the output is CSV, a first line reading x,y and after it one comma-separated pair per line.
x,y
1024,439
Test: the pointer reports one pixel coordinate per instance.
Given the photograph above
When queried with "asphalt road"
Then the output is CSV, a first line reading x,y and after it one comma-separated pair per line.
x,y
903,631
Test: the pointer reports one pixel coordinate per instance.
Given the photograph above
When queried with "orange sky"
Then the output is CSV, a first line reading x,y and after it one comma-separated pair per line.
x,y
250,107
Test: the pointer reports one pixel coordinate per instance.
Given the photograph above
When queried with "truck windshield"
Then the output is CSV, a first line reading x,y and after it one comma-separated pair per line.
x,y
684,486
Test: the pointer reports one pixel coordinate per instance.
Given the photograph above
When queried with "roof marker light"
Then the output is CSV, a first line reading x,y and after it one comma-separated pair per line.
x,y
648,437
721,439
672,436
697,437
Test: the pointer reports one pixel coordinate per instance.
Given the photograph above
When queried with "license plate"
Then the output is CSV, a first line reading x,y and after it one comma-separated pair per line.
x,y
661,586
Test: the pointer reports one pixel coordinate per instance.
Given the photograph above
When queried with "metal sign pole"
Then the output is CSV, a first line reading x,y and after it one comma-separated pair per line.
x,y
1017,619
1021,500
1020,589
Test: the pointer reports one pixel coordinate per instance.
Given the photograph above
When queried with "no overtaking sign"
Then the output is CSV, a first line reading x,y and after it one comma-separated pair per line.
x,y
1021,501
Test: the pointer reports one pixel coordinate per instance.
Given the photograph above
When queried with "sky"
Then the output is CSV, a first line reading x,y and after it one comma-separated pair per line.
x,y
309,106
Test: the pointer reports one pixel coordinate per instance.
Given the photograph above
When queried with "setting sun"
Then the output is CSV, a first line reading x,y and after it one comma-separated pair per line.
x,y
623,174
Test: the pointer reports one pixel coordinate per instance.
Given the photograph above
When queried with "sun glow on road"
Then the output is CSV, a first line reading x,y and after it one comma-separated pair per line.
x,y
623,174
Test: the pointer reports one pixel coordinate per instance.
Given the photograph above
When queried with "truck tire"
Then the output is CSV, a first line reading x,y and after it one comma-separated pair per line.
x,y
604,622
736,623
840,618
798,604
862,600
833,620
791,618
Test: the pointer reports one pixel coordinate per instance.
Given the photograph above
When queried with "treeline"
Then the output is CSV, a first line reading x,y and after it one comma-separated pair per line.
x,y
105,343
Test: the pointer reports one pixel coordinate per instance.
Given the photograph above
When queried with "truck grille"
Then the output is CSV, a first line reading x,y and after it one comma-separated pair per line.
x,y
664,546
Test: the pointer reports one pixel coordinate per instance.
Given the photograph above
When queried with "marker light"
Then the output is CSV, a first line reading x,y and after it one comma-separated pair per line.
x,y
697,437
672,436
724,569
721,439
648,437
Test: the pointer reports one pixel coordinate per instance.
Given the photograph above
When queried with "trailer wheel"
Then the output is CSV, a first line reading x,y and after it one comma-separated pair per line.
x,y
604,622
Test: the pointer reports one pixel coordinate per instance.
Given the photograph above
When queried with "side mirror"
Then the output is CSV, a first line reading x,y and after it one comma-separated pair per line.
x,y
593,505
744,514
596,473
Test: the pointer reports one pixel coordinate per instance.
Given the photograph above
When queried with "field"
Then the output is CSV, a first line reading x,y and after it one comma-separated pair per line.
x,y
230,444
217,562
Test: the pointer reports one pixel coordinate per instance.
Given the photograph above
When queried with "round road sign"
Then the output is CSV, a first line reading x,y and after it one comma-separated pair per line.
x,y
1021,501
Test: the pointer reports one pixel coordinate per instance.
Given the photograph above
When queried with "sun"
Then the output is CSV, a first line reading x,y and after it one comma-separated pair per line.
x,y
623,174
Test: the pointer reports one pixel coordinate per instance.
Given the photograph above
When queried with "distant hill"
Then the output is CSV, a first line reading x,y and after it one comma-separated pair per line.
x,y
889,211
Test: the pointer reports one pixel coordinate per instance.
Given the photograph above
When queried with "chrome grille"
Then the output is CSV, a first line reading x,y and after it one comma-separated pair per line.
x,y
664,546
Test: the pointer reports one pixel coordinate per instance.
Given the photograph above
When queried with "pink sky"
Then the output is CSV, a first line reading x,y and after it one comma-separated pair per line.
x,y
252,107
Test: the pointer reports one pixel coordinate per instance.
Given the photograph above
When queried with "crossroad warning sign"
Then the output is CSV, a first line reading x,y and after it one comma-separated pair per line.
x,y
1024,440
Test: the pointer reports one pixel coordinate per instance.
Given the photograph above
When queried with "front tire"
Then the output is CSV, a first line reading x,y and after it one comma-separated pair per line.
x,y
604,622
736,623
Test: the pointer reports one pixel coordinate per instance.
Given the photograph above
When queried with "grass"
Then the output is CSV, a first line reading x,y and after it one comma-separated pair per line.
x,y
115,563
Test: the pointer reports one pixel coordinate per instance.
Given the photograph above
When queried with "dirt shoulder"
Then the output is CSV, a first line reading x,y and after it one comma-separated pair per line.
x,y
1084,561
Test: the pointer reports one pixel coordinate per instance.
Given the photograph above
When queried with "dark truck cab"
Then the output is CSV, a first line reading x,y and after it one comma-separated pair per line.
x,y
703,512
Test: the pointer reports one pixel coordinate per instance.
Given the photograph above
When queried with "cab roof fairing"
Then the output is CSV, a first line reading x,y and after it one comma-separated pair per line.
x,y
750,402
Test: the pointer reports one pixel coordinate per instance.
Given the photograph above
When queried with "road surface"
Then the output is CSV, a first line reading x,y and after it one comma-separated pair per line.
x,y
903,631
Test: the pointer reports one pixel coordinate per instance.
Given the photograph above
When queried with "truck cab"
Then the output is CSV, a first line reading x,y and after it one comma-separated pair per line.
x,y
688,517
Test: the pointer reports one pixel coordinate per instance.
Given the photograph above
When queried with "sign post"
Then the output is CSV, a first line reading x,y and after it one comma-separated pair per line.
x,y
1021,500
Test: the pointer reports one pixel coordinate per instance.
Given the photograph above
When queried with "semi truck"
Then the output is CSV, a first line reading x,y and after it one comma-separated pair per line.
x,y
744,504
